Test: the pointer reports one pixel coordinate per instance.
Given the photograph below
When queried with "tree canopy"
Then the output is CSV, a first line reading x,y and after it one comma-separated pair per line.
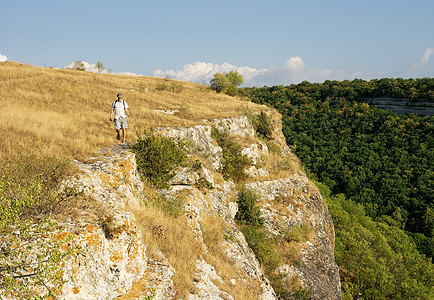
x,y
227,82
378,160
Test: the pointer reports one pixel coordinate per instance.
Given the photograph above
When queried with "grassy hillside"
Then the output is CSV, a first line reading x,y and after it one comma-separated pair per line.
x,y
66,112
50,116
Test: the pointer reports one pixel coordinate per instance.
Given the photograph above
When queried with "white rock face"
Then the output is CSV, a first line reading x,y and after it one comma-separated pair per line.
x,y
114,259
112,179
204,283
236,126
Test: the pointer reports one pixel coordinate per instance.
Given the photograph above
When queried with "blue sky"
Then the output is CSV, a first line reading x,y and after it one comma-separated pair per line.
x,y
269,42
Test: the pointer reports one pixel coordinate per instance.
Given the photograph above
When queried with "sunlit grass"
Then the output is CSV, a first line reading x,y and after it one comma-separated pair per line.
x,y
66,112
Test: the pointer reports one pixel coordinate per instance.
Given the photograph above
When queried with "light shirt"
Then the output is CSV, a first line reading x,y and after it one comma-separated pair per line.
x,y
119,108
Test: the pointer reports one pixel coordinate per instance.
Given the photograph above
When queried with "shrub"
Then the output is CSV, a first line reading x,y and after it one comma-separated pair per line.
x,y
251,222
270,251
227,82
157,158
262,125
78,65
28,187
261,122
248,212
29,254
169,85
274,147
263,246
233,161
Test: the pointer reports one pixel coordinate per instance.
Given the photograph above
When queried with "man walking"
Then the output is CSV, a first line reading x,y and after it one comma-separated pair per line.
x,y
119,113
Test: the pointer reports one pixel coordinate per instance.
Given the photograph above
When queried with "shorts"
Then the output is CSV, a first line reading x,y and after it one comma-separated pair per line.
x,y
121,122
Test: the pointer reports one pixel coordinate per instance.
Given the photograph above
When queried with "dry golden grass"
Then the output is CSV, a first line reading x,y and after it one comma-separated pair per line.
x,y
164,233
174,238
66,112
215,232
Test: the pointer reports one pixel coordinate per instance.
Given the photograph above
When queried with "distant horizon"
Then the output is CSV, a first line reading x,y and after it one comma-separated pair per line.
x,y
268,42
91,68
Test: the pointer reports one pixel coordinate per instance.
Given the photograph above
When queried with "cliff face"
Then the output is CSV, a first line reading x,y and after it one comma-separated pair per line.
x,y
403,105
116,262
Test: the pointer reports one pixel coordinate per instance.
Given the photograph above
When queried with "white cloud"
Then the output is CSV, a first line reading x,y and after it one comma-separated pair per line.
x,y
3,58
92,68
127,73
423,60
295,63
87,66
294,70
202,72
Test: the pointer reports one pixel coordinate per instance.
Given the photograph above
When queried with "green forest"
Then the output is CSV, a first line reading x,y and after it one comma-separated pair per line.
x,y
375,170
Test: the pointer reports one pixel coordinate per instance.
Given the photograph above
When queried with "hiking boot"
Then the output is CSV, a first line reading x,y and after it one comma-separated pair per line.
x,y
118,136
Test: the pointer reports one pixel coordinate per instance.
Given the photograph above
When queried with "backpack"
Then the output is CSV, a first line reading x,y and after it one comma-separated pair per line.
x,y
114,105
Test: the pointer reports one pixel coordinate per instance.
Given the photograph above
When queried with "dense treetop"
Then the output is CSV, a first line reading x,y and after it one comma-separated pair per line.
x,y
373,158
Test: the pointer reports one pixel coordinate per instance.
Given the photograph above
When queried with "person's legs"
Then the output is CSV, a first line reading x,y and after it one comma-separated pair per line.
x,y
118,128
124,126
124,134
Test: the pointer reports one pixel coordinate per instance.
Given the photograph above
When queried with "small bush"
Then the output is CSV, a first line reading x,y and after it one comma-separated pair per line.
x,y
251,222
157,158
261,122
262,125
248,212
28,187
233,161
29,254
270,251
169,85
274,147
227,82
298,234
263,246
78,65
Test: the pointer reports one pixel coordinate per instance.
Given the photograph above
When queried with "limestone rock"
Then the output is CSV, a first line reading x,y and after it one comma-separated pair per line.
x,y
184,177
114,258
236,126
204,283
112,179
156,282
304,206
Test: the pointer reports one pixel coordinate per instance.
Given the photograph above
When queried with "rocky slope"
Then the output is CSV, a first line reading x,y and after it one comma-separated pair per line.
x,y
116,263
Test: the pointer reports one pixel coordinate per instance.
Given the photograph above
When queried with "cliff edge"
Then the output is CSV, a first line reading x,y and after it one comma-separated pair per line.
x,y
129,249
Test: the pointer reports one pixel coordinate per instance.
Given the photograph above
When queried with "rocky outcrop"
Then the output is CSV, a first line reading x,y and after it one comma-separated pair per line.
x,y
403,105
114,258
306,213
115,262
304,208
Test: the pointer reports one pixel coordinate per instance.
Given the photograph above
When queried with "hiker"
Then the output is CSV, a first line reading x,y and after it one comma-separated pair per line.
x,y
119,113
